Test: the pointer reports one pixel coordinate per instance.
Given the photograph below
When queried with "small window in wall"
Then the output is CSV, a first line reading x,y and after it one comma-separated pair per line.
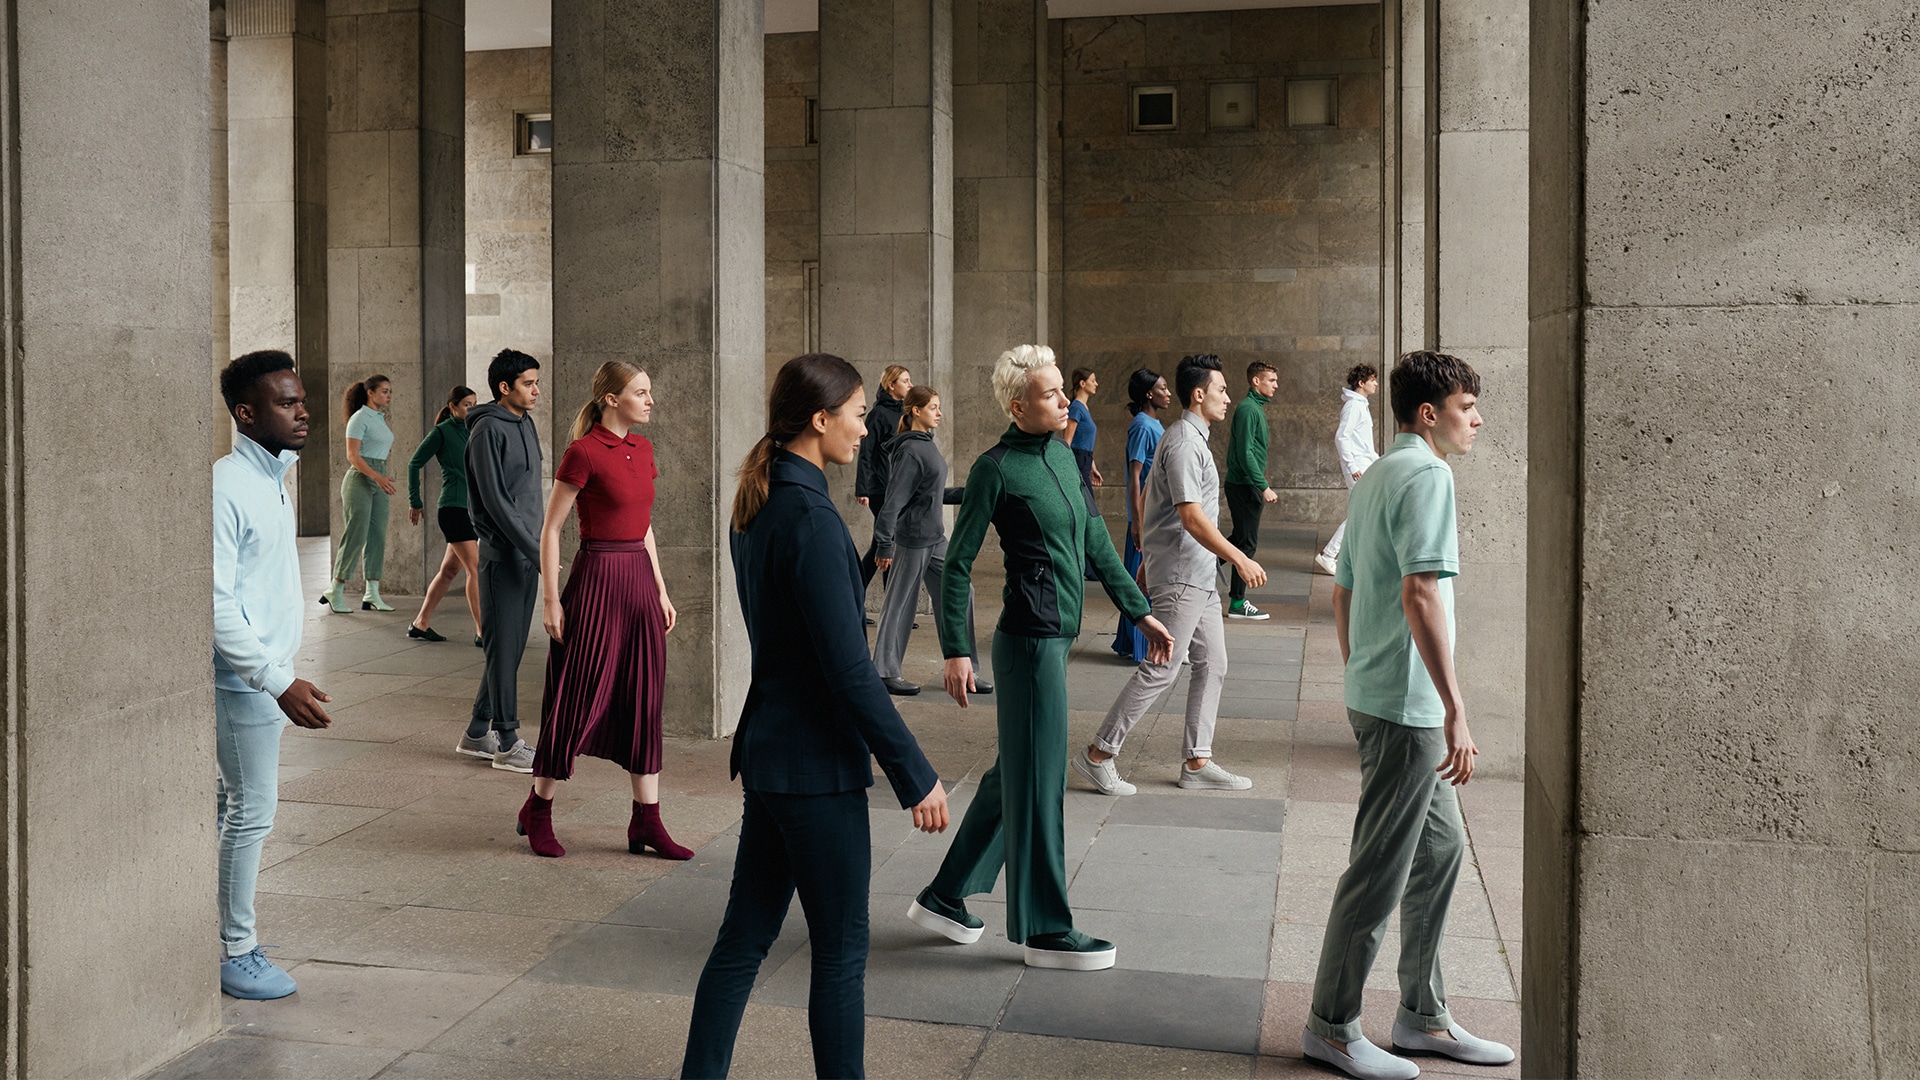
x,y
533,133
810,316
1311,102
813,121
1232,105
1155,108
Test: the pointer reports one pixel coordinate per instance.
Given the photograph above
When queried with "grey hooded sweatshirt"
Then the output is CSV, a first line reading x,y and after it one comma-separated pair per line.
x,y
916,488
503,482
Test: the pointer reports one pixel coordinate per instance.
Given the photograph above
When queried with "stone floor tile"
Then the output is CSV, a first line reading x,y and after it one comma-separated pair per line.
x,y
551,888
1207,941
1261,707
1315,783
321,750
1144,888
1327,820
679,902
1289,1003
560,1030
355,787
1011,1055
913,974
1195,810
1331,712
274,852
1323,691
427,753
1287,1068
364,1006
1316,856
380,877
1134,1006
421,1065
647,959
1500,867
445,834
302,927
439,939
773,1043
316,823
1168,846
236,1057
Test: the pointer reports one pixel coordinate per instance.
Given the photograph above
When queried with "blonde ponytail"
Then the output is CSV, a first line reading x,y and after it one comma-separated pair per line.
x,y
611,378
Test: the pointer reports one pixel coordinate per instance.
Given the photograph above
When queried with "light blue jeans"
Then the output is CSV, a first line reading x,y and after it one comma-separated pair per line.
x,y
247,729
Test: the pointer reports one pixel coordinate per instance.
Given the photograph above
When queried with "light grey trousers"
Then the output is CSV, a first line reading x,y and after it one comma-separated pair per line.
x,y
1408,843
912,568
1191,613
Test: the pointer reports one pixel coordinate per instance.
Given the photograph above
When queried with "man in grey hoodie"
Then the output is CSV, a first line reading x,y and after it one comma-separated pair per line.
x,y
503,499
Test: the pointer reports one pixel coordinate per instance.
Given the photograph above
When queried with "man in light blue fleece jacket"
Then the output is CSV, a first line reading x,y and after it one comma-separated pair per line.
x,y
256,632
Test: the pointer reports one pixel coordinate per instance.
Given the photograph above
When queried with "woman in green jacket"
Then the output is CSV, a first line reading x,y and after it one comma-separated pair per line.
x,y
447,442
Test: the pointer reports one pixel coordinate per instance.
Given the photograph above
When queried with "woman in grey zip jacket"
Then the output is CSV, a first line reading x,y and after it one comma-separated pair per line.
x,y
910,536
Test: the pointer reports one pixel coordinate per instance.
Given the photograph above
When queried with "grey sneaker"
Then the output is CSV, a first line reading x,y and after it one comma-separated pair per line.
x,y
483,747
1211,777
518,759
1101,774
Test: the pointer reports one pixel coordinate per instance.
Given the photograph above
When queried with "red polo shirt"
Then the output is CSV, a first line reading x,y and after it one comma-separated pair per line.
x,y
615,477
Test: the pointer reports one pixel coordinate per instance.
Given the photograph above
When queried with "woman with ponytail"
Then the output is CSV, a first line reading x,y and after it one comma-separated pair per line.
x,y
607,666
1147,394
447,444
363,493
815,716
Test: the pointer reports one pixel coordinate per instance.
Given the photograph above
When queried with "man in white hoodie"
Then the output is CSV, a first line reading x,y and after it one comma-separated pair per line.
x,y
256,632
1353,441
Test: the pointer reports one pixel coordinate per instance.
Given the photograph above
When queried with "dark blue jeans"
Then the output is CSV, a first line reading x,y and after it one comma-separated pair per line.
x,y
819,846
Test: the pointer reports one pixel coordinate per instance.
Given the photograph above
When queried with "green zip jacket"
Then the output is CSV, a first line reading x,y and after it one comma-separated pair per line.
x,y
448,442
1247,449
1028,488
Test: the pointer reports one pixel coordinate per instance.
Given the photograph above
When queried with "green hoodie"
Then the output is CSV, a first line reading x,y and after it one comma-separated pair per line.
x,y
1247,449
448,442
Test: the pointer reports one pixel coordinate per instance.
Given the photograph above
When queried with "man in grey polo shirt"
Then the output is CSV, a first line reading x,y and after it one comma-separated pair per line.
x,y
1181,539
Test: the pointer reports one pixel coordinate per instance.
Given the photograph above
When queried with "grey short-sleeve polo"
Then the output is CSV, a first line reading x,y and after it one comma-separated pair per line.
x,y
1183,471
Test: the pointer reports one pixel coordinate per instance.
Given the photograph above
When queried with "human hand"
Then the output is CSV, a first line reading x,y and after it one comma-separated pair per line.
x,y
1270,496
386,484
667,609
958,677
1457,767
301,702
1159,641
863,501
552,618
1357,475
931,815
1096,479
414,515
1251,572
883,564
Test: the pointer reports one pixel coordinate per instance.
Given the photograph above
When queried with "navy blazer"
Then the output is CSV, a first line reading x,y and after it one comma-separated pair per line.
x,y
816,708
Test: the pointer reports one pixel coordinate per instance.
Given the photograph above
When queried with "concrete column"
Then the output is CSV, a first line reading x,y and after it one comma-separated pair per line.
x,y
396,224
222,311
999,205
658,224
107,953
275,185
1722,815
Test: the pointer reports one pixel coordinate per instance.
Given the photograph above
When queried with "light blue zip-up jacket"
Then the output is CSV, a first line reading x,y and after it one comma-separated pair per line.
x,y
256,571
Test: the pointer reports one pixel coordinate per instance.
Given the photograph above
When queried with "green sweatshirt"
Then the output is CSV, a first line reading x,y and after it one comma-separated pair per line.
x,y
1028,488
448,442
1247,449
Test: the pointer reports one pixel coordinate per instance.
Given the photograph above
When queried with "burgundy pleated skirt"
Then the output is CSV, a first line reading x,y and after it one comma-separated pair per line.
x,y
606,681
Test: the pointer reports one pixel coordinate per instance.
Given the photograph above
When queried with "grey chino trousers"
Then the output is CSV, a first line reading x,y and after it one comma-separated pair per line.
x,y
1408,842
509,589
912,568
1191,613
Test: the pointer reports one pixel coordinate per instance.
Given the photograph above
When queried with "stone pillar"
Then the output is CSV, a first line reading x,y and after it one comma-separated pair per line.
x,y
396,225
221,426
106,851
275,183
658,225
999,206
1722,815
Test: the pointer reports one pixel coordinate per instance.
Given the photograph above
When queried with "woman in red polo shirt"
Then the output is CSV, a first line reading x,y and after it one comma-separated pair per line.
x,y
606,669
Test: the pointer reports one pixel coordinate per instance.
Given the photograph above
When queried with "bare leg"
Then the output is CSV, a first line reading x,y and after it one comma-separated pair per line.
x,y
468,551
544,786
437,588
646,789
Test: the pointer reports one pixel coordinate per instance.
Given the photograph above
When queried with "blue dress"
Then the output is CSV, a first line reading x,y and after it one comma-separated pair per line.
x,y
1143,438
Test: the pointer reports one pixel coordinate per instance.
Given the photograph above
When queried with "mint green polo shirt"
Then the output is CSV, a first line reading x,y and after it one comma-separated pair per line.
x,y
1400,521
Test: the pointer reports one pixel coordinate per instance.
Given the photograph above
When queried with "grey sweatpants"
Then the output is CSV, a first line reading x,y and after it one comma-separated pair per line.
x,y
1408,842
912,568
508,590
1191,613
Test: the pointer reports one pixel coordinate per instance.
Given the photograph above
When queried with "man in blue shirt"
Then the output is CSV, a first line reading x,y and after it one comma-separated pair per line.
x,y
1393,613
256,632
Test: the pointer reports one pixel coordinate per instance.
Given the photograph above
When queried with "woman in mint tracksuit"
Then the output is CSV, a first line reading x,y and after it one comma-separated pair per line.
x,y
1028,487
364,492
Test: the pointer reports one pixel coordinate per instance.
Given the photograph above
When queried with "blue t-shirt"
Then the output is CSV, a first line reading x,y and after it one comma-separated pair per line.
x,y
1082,435
1143,438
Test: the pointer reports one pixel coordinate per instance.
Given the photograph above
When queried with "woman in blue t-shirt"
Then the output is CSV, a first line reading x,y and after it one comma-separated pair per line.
x,y
364,492
1147,395
1080,426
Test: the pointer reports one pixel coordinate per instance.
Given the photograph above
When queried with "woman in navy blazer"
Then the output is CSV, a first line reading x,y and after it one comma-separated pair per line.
x,y
816,714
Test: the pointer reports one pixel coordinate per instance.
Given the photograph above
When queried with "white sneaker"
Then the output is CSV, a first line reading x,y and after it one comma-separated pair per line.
x,y
1462,1047
1327,566
1101,774
1211,777
1362,1060
518,759
1248,612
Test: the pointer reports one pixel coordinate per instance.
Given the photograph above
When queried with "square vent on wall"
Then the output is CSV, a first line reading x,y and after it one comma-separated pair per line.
x,y
1232,105
1155,108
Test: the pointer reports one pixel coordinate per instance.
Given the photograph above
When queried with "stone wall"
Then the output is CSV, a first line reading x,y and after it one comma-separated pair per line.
x,y
793,197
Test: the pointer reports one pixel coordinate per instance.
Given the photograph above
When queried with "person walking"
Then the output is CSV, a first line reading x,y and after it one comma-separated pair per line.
x,y
1353,441
1247,489
912,538
447,444
256,634
1081,429
870,475
1393,615
503,499
815,719
1023,486
607,664
1184,548
1147,395
363,494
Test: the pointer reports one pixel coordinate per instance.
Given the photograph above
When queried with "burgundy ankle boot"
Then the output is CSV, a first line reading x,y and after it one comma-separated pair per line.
x,y
536,824
646,830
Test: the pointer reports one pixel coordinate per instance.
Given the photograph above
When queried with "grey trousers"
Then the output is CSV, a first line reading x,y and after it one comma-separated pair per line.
x,y
509,588
1408,842
912,568
1191,613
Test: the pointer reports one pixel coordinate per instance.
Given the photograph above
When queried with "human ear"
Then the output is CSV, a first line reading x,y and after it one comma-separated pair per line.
x,y
820,421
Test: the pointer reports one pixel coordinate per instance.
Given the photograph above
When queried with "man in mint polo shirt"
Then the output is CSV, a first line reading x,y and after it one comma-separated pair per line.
x,y
1393,611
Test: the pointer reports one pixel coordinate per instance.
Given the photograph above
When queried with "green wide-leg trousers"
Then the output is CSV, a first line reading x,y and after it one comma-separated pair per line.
x,y
364,506
1014,820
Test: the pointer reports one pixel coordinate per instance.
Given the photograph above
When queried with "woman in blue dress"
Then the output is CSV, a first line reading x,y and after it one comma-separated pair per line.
x,y
1147,396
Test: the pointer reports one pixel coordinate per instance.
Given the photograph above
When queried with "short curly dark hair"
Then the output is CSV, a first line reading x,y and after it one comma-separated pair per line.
x,y
1360,373
237,379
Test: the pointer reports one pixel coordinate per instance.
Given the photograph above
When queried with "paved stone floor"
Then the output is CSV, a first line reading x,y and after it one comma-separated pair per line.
x,y
428,942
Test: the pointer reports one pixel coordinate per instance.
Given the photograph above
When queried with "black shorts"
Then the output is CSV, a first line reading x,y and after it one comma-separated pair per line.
x,y
456,526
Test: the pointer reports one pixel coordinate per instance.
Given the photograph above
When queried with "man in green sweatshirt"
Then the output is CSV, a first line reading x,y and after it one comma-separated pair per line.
x,y
1247,488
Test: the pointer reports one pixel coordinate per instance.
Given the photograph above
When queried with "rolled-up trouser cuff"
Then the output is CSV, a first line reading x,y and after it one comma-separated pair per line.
x,y
1340,1033
1425,1023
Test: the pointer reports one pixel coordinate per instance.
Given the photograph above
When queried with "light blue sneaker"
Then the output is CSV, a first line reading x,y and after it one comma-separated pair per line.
x,y
254,977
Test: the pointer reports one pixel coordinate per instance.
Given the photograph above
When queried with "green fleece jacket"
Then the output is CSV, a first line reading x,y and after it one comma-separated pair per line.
x,y
448,442
1028,488
1247,448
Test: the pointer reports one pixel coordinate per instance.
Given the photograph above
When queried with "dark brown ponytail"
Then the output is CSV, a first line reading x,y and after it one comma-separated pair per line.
x,y
805,385
454,397
916,398
356,398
